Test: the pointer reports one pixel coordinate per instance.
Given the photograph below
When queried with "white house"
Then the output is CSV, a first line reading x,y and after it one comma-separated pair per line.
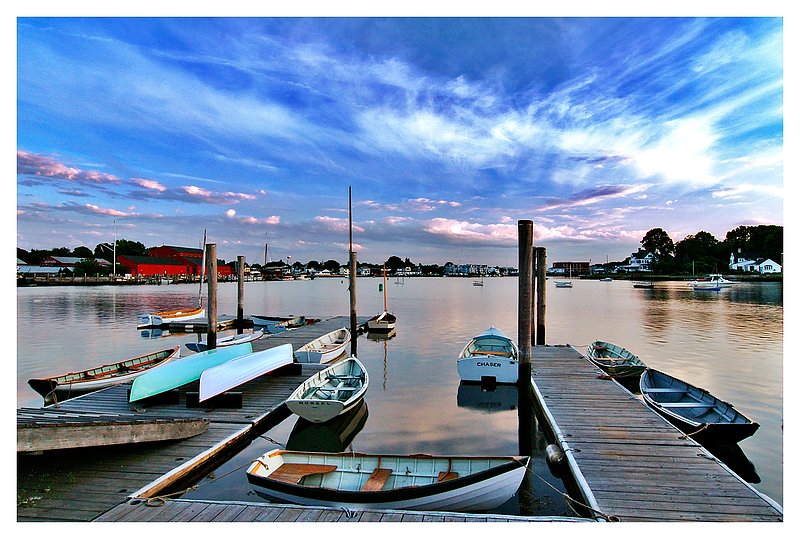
x,y
640,261
753,264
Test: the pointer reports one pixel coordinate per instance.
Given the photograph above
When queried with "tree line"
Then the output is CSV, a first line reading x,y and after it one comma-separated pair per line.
x,y
703,253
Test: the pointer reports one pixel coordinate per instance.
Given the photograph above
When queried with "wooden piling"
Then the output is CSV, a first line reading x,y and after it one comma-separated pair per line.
x,y
525,300
240,294
211,310
541,303
353,317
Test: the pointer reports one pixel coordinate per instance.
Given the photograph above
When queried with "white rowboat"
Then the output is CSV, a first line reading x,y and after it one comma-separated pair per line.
x,y
489,357
165,317
233,373
330,392
324,349
411,482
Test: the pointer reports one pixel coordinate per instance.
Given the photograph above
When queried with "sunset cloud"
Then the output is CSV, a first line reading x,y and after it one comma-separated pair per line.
x,y
47,167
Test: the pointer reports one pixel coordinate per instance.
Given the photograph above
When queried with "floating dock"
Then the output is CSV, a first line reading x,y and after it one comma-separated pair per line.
x,y
628,463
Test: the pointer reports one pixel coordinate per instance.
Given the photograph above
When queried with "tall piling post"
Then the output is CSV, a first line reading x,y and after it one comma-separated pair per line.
x,y
211,311
541,300
240,294
524,336
353,317
525,300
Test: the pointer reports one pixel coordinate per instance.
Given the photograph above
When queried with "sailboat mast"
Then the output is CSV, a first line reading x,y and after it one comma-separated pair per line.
x,y
384,289
202,272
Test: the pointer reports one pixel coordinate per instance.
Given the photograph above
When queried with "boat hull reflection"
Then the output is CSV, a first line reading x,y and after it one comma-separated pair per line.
x,y
333,436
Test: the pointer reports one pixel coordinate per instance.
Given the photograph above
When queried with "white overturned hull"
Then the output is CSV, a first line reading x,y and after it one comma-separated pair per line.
x,y
479,484
233,373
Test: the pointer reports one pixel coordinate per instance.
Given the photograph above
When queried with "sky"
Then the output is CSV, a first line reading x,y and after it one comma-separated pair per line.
x,y
448,131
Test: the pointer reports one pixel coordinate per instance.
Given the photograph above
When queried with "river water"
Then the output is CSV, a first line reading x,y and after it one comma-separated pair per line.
x,y
729,342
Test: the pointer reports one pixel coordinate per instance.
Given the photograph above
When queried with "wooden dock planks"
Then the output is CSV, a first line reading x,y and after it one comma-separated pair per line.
x,y
636,466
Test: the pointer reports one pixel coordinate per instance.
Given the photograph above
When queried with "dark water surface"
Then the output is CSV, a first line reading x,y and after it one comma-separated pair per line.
x,y
729,342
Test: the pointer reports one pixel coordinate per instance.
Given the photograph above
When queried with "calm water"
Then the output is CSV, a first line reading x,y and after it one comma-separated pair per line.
x,y
729,342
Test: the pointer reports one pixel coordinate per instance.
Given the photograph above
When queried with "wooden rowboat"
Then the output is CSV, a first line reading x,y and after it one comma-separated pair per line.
x,y
233,373
160,318
615,360
695,411
229,340
183,371
330,392
363,481
489,357
65,386
324,349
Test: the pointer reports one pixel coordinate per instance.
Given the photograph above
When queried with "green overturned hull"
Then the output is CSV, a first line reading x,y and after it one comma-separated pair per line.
x,y
184,370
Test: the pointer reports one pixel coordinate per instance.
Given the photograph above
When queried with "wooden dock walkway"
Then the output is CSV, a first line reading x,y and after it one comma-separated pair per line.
x,y
629,462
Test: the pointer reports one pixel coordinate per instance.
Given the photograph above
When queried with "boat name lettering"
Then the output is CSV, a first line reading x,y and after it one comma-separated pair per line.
x,y
488,364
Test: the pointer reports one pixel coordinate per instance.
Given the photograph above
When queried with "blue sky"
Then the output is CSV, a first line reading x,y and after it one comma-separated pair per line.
x,y
449,131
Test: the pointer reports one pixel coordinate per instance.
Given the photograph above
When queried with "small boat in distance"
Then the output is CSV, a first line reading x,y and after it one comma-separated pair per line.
x,y
371,481
715,279
233,373
229,340
615,360
643,284
489,357
606,279
706,287
185,370
330,392
66,386
563,284
160,318
385,321
324,349
695,411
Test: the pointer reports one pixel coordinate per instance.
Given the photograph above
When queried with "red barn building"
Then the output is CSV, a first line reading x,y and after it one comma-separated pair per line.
x,y
147,266
191,257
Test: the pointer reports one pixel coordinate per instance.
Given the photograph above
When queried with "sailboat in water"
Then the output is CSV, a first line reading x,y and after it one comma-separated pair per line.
x,y
565,284
159,318
384,322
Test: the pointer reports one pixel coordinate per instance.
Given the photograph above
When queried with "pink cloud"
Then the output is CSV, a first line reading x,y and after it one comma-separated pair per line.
x,y
149,184
106,211
47,167
337,224
227,197
463,230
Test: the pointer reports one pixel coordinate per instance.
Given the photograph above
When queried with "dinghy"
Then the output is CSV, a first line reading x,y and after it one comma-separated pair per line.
x,y
184,370
615,360
324,349
489,357
385,321
229,340
235,372
331,392
160,318
695,411
410,482
65,386
278,324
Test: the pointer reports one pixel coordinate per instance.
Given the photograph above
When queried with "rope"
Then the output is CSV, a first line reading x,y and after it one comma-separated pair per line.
x,y
570,500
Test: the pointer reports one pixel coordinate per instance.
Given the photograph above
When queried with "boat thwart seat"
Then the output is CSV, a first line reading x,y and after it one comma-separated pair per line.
x,y
292,472
376,480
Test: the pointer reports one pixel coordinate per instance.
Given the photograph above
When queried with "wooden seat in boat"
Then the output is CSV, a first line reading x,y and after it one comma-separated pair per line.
x,y
376,480
446,476
290,472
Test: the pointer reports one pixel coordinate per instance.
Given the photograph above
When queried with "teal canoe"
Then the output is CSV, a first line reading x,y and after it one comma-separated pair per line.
x,y
184,370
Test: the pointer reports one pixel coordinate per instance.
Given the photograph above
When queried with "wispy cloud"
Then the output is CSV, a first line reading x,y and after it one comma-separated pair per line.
x,y
47,167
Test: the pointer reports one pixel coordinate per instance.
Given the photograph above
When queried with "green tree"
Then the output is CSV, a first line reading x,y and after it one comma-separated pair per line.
x,y
658,242
82,252
393,263
331,265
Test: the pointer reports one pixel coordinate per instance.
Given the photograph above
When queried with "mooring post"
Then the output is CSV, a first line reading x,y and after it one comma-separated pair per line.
x,y
353,317
211,311
525,300
541,303
240,294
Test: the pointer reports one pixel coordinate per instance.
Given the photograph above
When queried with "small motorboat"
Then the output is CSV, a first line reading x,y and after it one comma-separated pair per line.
x,y
324,349
715,279
490,357
706,287
563,284
65,386
160,318
330,392
229,340
615,360
370,481
695,411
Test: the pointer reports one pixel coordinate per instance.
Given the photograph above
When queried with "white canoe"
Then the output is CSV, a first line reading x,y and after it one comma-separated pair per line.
x,y
411,482
489,357
164,317
330,392
324,349
228,340
219,379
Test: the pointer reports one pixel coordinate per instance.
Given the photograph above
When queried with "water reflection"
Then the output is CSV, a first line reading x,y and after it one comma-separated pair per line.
x,y
333,436
735,459
487,399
